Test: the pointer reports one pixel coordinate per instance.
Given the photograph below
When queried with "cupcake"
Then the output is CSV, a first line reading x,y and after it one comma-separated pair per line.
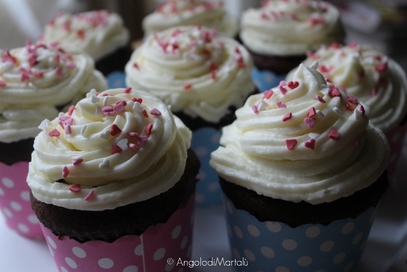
x,y
204,78
100,33
302,169
175,13
115,172
376,80
36,82
281,32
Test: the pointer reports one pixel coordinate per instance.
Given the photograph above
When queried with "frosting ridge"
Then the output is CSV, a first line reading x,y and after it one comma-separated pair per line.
x,y
290,27
97,32
364,72
193,70
174,13
36,82
111,149
304,140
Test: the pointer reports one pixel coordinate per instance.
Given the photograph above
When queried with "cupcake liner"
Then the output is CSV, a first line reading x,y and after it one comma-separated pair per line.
x,y
275,246
15,200
157,249
395,137
265,79
208,191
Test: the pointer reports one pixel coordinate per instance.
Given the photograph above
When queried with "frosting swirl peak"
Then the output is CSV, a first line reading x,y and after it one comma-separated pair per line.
x,y
290,27
173,13
193,70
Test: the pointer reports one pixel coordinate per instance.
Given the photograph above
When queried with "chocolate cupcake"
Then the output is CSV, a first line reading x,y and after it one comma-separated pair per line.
x,y
280,33
376,80
36,82
204,77
115,169
100,33
302,169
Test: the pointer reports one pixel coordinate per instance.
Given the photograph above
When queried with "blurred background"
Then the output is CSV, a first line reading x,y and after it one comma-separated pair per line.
x,y
381,23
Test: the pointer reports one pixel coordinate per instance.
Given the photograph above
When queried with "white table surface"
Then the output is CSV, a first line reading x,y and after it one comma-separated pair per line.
x,y
386,249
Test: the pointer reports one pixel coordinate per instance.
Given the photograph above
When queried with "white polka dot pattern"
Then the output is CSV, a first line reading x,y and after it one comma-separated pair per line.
x,y
15,200
132,253
310,247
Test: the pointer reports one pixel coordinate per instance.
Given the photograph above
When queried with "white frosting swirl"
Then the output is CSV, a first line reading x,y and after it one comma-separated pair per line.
x,y
375,79
36,79
174,13
290,27
119,147
302,141
193,70
98,33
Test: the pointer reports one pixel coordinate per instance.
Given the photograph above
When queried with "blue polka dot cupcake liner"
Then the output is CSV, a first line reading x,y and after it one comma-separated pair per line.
x,y
116,79
275,246
208,191
265,80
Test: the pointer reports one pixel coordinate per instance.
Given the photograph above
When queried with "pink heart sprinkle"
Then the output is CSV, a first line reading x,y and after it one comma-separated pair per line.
x,y
65,172
310,144
155,112
334,135
54,133
76,161
75,188
291,143
310,122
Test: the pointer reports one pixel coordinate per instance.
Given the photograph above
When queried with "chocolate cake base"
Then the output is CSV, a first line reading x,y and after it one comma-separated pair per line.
x,y
195,123
280,65
13,152
295,214
132,219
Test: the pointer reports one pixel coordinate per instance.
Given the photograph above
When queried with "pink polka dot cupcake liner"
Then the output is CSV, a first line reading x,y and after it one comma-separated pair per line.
x,y
275,246
395,137
15,200
208,191
157,249
265,80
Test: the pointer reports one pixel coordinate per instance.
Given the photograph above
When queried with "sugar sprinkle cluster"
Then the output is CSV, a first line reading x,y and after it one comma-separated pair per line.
x,y
36,62
379,61
194,46
270,14
133,141
313,115
173,7
90,20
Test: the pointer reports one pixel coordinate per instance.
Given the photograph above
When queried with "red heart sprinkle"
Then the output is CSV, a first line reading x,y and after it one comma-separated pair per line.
x,y
293,84
310,144
291,143
115,130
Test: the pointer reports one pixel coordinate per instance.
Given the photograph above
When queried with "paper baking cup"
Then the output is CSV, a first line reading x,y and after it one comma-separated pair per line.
x,y
208,191
116,79
265,80
396,138
275,246
158,249
15,200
